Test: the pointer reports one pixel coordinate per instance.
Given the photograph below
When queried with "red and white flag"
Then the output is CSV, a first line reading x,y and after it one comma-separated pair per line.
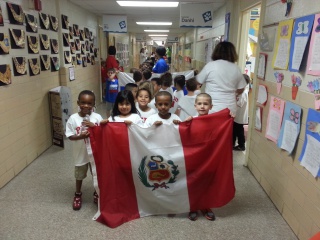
x,y
161,170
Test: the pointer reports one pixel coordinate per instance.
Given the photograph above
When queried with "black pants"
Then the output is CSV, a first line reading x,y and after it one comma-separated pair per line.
x,y
238,132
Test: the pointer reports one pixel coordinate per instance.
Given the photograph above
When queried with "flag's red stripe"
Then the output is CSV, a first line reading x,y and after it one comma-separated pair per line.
x,y
110,146
207,147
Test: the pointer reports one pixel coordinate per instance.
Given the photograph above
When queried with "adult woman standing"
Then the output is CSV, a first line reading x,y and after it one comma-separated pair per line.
x,y
223,78
143,56
161,65
111,61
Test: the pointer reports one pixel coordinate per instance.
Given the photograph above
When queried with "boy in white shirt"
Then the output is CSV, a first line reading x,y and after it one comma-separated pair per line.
x,y
163,102
186,103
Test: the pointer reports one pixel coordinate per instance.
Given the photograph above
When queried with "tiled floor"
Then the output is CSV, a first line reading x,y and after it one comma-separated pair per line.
x,y
37,204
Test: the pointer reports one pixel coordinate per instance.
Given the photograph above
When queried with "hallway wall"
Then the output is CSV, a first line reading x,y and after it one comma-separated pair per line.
x,y
25,130
293,190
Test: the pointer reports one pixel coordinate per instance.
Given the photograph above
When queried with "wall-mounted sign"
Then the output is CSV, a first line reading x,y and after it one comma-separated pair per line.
x,y
196,15
172,39
114,23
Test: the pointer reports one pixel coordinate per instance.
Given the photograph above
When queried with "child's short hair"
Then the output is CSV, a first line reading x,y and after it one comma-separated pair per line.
x,y
132,70
163,93
87,92
191,84
147,85
130,86
247,78
111,70
180,80
206,95
125,95
157,80
147,74
144,89
166,79
137,76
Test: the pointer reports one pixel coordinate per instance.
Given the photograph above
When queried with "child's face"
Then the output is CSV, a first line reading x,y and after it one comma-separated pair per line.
x,y
203,105
134,92
124,108
86,103
143,98
111,74
163,104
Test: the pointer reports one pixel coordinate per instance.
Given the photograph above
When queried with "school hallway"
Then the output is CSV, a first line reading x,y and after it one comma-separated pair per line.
x,y
37,204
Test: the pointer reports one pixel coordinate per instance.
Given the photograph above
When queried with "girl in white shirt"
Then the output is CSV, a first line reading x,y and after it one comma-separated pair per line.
x,y
143,99
124,110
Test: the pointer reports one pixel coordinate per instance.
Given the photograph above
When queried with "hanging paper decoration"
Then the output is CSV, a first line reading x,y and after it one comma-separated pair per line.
x,y
296,82
279,77
313,87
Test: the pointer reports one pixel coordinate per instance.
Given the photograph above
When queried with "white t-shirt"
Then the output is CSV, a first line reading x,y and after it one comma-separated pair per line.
x,y
176,97
152,104
133,117
222,79
143,57
186,106
73,127
242,107
145,115
155,117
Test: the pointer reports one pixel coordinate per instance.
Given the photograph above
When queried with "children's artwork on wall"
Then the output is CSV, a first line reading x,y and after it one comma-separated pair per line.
x,y
296,83
288,7
262,66
32,23
290,128
313,65
4,43
34,66
314,88
15,13
5,74
17,38
258,121
281,56
1,17
262,94
310,157
300,36
279,78
274,118
266,39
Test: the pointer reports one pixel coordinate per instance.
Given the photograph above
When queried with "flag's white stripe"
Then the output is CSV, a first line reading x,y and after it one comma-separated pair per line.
x,y
165,141
94,174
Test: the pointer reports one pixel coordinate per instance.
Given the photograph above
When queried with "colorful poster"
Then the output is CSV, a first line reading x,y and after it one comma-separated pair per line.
x,y
313,65
310,157
300,36
290,128
281,56
274,118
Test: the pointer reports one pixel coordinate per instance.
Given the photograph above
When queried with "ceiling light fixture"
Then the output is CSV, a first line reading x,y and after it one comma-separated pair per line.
x,y
154,23
147,4
158,35
157,30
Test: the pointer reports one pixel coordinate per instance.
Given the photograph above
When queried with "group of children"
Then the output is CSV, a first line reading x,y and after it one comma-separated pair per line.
x,y
134,106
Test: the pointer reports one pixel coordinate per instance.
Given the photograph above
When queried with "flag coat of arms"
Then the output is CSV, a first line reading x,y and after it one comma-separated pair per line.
x,y
162,170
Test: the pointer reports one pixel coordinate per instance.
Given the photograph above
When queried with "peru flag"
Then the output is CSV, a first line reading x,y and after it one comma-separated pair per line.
x,y
160,170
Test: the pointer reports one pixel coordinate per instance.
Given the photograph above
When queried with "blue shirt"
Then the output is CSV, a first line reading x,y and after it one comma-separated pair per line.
x,y
112,90
160,67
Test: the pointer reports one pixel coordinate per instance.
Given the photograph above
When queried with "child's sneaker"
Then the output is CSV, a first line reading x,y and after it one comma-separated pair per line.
x,y
95,197
77,201
193,216
208,214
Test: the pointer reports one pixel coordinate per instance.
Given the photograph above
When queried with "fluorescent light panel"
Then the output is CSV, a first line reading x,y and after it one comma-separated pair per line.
x,y
147,4
157,30
154,23
158,35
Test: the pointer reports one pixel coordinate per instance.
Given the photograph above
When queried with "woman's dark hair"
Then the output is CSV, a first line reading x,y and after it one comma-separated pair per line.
x,y
141,50
124,96
87,92
180,80
225,51
112,50
191,84
161,51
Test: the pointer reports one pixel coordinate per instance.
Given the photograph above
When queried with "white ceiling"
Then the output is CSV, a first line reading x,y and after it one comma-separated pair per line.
x,y
134,14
